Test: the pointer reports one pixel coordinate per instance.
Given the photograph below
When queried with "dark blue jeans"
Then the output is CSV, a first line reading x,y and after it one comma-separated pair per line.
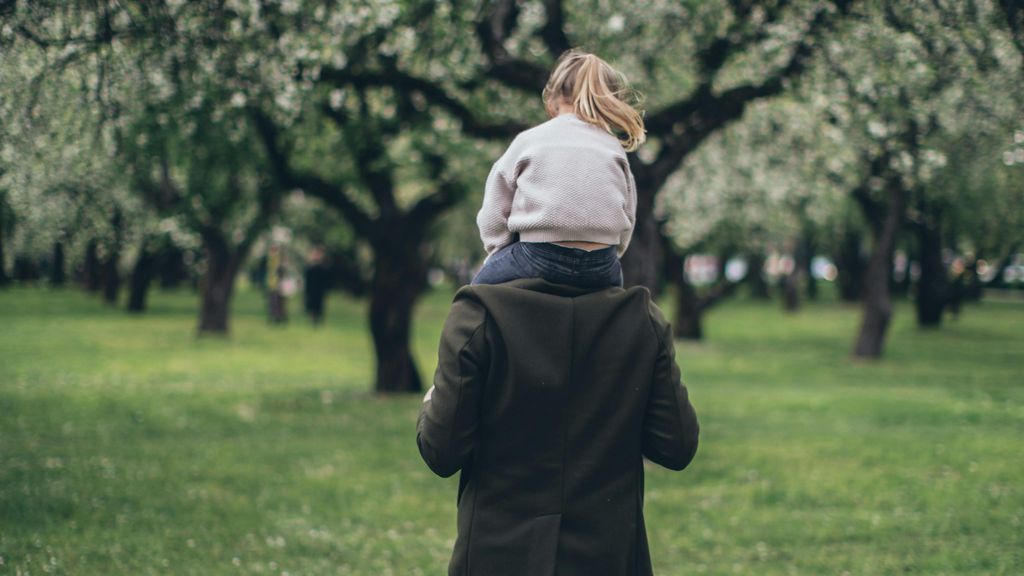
x,y
554,263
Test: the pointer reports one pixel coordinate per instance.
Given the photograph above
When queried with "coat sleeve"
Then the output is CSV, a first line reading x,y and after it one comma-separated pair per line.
x,y
446,431
499,190
670,423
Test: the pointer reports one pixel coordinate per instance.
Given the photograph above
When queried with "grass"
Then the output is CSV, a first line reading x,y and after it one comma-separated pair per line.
x,y
128,446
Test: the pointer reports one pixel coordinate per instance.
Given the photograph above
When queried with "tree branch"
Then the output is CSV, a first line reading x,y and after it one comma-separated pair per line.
x,y
434,93
684,125
713,57
270,196
716,293
1014,13
553,30
495,24
873,209
449,192
363,138
289,178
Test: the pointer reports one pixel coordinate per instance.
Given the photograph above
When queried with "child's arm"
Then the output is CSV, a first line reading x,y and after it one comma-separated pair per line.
x,y
630,211
492,220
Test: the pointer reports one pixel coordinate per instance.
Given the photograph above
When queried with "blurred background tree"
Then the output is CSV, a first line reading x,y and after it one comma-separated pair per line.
x,y
905,85
139,135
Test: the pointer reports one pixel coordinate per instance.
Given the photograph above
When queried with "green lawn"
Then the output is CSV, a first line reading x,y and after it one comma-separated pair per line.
x,y
128,446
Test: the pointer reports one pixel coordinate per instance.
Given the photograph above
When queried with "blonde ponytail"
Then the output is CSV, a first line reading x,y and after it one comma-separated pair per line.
x,y
598,94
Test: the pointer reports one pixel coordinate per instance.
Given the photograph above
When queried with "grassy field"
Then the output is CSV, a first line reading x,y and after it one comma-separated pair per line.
x,y
128,446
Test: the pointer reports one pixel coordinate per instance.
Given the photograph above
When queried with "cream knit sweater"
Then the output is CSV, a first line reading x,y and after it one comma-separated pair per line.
x,y
563,180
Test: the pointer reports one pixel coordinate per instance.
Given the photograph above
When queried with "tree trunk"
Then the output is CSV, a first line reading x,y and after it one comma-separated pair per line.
x,y
808,265
691,307
642,260
171,264
723,261
346,272
886,224
998,279
850,266
687,324
4,278
933,283
398,279
111,276
57,275
217,288
91,269
142,274
25,269
755,277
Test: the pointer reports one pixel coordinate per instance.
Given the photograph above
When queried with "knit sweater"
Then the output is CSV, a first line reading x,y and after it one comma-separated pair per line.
x,y
560,181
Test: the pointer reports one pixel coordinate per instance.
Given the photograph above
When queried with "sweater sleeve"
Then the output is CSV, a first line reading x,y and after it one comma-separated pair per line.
x,y
492,219
630,210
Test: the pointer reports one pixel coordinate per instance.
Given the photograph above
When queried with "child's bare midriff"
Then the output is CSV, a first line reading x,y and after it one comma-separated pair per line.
x,y
589,246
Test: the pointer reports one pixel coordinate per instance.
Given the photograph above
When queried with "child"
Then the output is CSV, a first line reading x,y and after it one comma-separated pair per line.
x,y
560,204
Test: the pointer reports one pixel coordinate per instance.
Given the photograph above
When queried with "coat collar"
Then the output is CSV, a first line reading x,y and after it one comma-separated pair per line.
x,y
545,287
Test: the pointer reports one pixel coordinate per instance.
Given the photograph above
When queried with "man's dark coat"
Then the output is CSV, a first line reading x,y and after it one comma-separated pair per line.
x,y
546,397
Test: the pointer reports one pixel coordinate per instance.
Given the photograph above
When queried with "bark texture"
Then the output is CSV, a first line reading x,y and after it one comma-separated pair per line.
x,y
217,288
755,277
886,222
142,275
849,266
58,276
397,284
4,278
399,237
91,268
933,289
111,262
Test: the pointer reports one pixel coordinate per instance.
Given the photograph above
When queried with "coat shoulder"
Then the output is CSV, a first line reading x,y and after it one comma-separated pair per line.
x,y
655,316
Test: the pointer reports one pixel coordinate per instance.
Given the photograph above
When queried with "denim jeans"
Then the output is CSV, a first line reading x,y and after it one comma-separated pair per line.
x,y
554,263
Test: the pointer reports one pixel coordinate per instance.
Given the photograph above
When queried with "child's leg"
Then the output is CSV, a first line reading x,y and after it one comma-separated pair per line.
x,y
575,266
505,265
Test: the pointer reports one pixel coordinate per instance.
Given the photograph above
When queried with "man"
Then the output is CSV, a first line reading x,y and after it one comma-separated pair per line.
x,y
548,397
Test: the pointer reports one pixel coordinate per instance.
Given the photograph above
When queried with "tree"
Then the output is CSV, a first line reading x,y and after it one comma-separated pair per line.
x,y
766,181
215,186
402,169
732,42
187,95
61,188
154,76
4,218
903,84
397,234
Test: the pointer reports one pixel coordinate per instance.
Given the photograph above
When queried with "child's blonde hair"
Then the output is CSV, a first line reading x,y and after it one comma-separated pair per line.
x,y
598,94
